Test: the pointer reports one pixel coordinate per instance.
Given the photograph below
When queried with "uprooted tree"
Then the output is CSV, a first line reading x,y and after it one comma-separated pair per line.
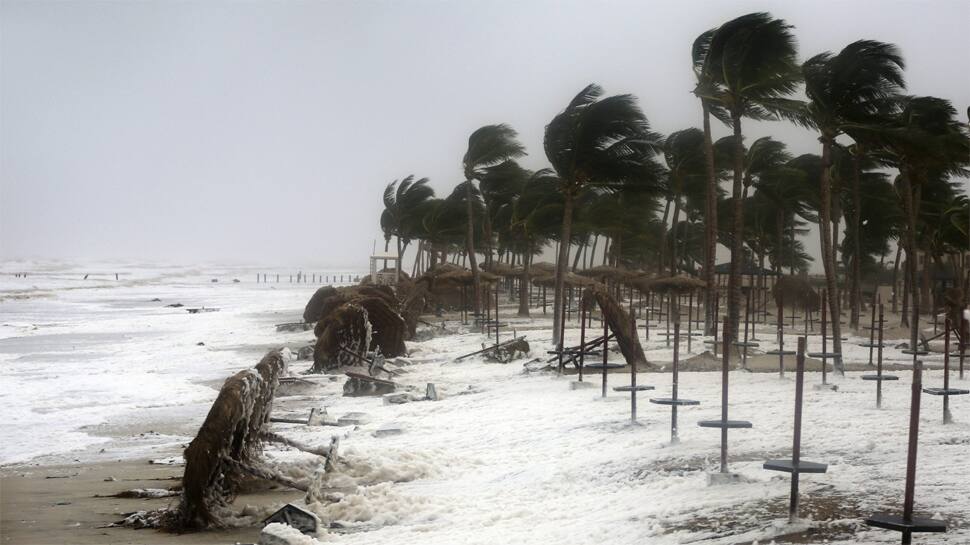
x,y
353,320
229,440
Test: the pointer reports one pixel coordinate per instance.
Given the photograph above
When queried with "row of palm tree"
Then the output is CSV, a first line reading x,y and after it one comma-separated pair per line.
x,y
611,174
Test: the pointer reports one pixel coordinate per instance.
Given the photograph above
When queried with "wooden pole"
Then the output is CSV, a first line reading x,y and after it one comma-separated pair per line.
x,y
872,331
912,450
673,408
797,439
947,417
582,340
606,346
825,361
724,392
879,362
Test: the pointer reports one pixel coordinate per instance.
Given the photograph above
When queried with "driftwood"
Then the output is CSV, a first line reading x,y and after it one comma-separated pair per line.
x,y
620,324
230,436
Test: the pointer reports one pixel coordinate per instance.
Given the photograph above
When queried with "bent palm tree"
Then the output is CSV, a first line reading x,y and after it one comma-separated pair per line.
x,y
845,91
402,201
487,147
751,62
596,142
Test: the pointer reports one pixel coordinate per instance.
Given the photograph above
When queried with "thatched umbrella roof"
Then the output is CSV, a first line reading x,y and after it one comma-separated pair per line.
x,y
570,279
465,276
543,267
676,284
504,269
796,291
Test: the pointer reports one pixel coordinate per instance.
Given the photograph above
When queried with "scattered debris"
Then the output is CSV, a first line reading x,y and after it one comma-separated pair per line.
x,y
294,326
297,517
201,309
362,385
353,419
432,392
175,305
388,429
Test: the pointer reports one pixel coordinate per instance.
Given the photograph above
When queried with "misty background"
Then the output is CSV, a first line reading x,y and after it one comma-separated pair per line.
x,y
265,132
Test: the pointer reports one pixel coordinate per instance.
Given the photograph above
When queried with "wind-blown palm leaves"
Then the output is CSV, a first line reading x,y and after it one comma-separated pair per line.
x,y
596,141
686,160
488,147
532,217
847,91
924,141
403,206
749,68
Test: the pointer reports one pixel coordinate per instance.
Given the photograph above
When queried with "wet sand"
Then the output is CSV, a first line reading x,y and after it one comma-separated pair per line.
x,y
59,505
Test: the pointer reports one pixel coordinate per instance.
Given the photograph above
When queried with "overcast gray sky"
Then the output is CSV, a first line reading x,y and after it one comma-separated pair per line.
x,y
266,131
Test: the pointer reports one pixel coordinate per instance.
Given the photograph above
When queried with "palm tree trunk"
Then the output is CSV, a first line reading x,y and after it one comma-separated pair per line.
x,y
791,240
737,242
561,263
579,254
673,231
662,251
524,285
856,294
470,245
606,248
400,254
710,226
828,255
488,236
592,251
911,213
780,227
899,251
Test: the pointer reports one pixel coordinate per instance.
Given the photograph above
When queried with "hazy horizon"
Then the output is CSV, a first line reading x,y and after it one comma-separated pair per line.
x,y
216,132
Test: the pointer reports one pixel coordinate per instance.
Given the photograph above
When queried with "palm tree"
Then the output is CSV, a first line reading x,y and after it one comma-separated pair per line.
x,y
532,218
686,158
402,202
751,64
925,141
596,142
706,86
499,184
845,92
487,147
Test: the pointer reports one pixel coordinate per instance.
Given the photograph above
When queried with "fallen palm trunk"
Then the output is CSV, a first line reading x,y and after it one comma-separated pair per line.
x,y
620,323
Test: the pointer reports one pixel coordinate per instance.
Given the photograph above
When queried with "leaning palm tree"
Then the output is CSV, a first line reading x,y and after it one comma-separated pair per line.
x,y
402,201
845,92
751,64
488,146
596,142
